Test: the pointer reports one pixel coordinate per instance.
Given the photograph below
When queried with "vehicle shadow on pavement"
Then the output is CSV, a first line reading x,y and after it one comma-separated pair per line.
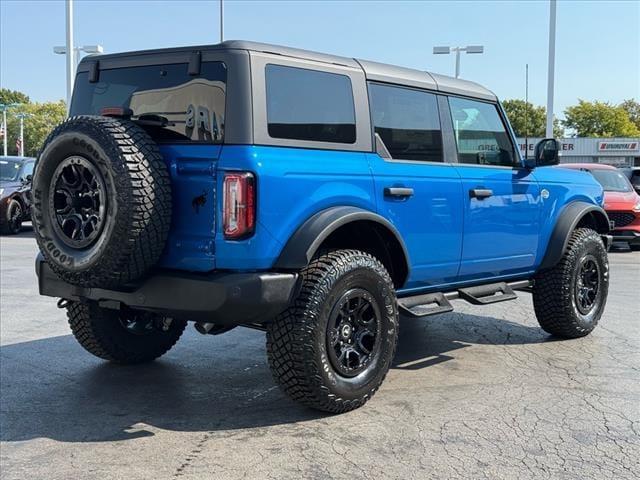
x,y
428,342
52,388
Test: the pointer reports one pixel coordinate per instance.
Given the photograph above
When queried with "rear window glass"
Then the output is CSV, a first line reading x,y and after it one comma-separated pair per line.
x,y
309,105
174,105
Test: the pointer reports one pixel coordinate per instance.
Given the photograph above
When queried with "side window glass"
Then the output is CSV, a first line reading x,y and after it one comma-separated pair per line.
x,y
28,169
481,136
309,105
407,121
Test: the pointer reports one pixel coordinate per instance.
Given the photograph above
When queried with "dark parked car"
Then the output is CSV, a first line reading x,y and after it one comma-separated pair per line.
x,y
15,192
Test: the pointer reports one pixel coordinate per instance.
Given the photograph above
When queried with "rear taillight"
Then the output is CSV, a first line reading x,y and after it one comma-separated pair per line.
x,y
239,205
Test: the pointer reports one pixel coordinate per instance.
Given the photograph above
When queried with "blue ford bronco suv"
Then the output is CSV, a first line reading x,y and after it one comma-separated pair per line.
x,y
314,197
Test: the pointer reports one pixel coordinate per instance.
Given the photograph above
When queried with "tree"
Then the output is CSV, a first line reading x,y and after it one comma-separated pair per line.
x,y
12,96
599,119
633,110
43,118
528,119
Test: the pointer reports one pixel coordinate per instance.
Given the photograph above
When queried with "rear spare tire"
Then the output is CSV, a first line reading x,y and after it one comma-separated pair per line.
x,y
101,201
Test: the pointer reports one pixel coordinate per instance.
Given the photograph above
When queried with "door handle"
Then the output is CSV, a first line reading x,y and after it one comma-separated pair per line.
x,y
480,193
398,192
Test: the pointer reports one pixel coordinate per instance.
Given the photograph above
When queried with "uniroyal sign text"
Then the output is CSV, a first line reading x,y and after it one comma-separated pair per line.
x,y
618,146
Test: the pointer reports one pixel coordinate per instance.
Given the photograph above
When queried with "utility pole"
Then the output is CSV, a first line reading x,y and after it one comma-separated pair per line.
x,y
71,63
551,68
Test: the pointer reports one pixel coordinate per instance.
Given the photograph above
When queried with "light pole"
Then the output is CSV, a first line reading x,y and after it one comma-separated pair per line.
x,y
22,116
4,107
72,52
551,68
71,66
221,22
467,49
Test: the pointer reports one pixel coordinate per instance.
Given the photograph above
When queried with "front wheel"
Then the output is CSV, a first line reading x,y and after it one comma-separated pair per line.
x,y
569,299
333,347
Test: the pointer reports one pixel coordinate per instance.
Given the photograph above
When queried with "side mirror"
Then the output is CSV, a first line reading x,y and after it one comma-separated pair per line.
x,y
547,152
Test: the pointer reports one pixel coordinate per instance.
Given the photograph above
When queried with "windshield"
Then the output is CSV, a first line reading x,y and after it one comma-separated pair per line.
x,y
173,105
9,170
612,181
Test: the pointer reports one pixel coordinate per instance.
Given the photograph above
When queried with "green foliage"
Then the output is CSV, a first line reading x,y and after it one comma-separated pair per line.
x,y
600,119
12,96
632,107
43,117
526,118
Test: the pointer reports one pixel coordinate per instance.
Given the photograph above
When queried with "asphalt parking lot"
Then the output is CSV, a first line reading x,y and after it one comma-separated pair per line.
x,y
480,393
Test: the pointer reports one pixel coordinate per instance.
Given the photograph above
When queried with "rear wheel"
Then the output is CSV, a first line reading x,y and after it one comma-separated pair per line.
x,y
569,299
12,221
333,347
122,336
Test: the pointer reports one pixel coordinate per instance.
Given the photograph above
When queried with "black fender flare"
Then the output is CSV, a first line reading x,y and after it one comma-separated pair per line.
x,y
304,243
567,222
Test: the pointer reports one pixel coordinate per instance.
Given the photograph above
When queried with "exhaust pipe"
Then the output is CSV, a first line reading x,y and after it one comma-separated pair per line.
x,y
209,328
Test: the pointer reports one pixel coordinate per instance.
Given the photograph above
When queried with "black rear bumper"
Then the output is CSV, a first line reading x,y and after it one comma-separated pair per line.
x,y
221,298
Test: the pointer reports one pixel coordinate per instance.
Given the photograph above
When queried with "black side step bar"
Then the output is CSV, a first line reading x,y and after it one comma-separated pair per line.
x,y
423,305
486,294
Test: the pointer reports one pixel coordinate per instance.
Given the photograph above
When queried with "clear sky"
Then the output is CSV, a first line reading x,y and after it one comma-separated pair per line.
x,y
598,42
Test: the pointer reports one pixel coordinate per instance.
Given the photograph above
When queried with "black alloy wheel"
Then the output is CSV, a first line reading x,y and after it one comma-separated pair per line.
x,y
587,284
78,202
352,332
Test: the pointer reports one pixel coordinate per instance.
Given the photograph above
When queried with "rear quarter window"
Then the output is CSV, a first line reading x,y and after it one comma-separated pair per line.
x,y
309,105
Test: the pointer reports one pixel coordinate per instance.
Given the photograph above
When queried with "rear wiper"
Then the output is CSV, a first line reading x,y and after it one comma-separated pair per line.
x,y
152,120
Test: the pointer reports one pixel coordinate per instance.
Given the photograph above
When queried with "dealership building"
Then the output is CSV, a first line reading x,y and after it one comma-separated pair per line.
x,y
619,152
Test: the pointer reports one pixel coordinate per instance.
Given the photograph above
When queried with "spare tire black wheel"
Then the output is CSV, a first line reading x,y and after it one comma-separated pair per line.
x,y
101,201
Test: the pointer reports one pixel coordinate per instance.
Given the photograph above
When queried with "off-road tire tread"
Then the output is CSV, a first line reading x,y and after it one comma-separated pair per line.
x,y
143,187
552,295
87,322
290,337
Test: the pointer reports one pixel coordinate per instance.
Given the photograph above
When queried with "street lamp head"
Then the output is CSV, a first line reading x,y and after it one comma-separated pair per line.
x,y
441,50
474,49
91,49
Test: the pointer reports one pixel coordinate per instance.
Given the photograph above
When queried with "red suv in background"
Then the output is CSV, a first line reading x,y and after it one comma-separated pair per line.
x,y
621,201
